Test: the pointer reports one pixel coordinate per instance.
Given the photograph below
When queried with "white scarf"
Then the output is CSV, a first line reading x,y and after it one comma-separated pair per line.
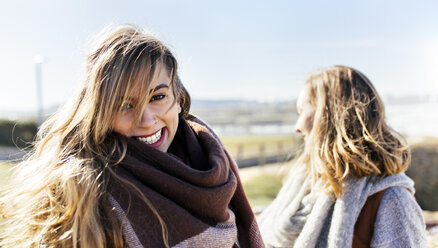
x,y
275,220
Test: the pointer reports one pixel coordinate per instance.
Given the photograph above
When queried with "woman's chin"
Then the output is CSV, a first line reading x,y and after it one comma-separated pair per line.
x,y
162,143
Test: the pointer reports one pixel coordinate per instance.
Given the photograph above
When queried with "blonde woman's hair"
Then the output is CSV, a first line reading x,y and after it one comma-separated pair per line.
x,y
58,197
350,136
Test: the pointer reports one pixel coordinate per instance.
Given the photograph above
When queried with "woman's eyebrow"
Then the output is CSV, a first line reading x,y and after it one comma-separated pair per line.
x,y
128,99
160,86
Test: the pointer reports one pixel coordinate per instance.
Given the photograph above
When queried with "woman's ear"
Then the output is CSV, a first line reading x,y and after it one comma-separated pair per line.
x,y
179,106
179,109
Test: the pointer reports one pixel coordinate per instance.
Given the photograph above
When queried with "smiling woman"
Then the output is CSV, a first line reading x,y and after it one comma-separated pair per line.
x,y
159,120
124,164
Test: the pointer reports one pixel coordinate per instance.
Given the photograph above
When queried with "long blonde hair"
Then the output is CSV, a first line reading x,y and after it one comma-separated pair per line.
x,y
57,197
350,136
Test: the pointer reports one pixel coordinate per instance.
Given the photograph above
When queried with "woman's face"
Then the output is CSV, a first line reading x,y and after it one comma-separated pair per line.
x,y
159,120
306,113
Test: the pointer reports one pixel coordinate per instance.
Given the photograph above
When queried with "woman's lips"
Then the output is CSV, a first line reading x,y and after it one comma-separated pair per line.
x,y
155,139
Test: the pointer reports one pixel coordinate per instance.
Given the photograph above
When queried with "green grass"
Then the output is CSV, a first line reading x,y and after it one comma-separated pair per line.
x,y
252,146
232,142
251,139
262,189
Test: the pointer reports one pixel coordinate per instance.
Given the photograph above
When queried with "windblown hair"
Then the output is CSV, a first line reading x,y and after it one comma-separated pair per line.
x,y
58,195
349,136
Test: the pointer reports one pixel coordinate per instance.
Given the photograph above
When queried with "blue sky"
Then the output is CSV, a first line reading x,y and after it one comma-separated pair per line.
x,y
252,50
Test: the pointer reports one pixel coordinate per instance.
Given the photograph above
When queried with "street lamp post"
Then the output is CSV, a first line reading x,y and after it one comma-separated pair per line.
x,y
39,60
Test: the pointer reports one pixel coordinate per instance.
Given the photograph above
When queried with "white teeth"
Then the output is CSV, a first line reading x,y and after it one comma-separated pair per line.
x,y
151,139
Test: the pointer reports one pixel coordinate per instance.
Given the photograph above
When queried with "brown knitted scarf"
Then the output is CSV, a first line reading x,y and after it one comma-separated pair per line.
x,y
195,188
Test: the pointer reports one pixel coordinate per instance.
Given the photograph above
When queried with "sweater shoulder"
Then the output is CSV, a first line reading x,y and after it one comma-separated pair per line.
x,y
399,221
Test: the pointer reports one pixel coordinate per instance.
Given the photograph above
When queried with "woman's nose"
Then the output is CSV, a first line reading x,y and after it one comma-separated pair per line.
x,y
148,118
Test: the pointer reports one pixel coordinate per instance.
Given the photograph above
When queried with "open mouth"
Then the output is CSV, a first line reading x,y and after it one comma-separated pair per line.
x,y
152,138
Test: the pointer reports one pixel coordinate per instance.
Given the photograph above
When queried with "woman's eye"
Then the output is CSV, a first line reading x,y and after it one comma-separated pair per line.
x,y
126,107
157,97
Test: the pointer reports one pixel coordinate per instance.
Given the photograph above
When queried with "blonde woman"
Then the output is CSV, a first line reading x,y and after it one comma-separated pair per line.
x,y
124,164
350,156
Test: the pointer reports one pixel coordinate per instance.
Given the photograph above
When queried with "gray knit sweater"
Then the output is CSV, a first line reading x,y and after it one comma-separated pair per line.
x,y
399,221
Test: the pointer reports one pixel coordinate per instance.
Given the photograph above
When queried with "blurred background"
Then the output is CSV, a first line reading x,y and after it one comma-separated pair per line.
x,y
244,63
